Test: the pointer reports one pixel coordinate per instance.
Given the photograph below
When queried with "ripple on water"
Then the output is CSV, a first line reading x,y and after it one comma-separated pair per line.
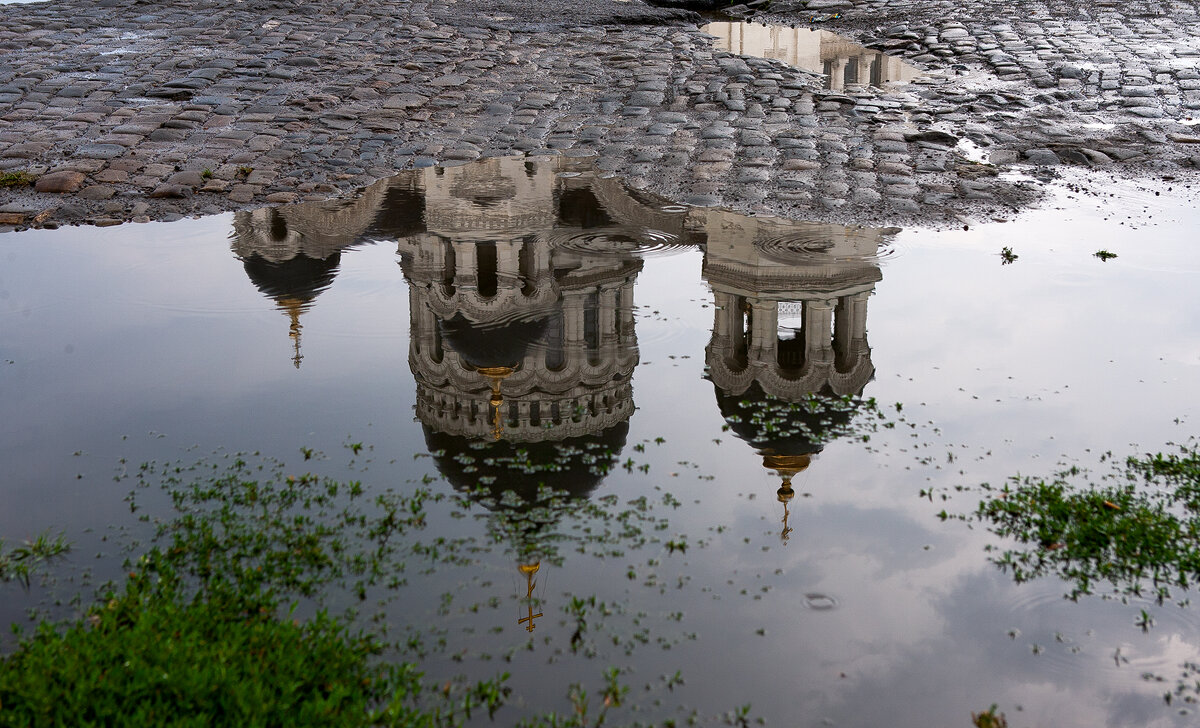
x,y
820,602
1049,620
620,241
825,244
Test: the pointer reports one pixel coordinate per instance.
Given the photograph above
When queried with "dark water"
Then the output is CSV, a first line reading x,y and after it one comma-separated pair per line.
x,y
514,323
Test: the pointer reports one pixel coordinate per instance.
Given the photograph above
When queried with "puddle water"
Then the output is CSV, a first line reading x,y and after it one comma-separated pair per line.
x,y
498,328
844,62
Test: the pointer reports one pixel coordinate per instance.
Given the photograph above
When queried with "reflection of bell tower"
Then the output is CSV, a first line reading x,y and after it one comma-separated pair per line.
x,y
790,323
292,253
521,339
515,335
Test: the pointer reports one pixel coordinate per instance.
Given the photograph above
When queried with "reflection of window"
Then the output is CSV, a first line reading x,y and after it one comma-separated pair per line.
x,y
554,346
591,328
790,352
740,334
851,73
525,264
487,269
448,267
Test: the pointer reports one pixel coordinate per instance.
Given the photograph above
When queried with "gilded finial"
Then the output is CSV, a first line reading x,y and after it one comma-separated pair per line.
x,y
496,375
294,307
529,570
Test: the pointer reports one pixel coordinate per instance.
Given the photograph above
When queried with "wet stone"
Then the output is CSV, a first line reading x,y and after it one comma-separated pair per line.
x,y
60,182
97,192
99,151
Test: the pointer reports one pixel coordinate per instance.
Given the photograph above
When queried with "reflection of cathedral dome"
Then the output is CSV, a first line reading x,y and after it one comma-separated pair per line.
x,y
300,278
773,426
492,345
572,465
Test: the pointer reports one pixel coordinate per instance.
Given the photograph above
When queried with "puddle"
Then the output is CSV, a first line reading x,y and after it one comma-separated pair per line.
x,y
498,328
844,62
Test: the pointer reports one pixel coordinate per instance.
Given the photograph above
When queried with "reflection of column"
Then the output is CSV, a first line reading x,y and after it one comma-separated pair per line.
x,y
466,271
818,321
863,74
837,74
764,325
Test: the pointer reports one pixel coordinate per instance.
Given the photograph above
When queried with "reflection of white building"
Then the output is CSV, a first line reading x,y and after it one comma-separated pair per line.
x,y
790,322
291,253
520,331
842,61
791,303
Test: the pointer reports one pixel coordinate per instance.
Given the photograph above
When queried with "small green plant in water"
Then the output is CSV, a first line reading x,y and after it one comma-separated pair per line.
x,y
1138,530
1104,255
1007,255
989,719
20,563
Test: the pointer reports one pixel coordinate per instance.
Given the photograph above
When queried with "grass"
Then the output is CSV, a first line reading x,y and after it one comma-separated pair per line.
x,y
19,178
1104,255
20,563
1137,530
203,627
1007,255
201,630
149,657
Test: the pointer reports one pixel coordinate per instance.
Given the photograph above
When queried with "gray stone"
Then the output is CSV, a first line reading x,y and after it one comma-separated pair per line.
x,y
1042,157
99,151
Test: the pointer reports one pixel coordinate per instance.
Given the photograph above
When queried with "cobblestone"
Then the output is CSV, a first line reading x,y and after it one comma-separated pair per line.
x,y
152,110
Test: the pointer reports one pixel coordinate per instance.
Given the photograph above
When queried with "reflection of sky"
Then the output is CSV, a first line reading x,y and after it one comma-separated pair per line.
x,y
155,328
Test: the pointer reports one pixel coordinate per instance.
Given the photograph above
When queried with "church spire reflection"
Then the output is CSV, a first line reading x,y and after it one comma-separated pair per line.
x,y
292,253
789,335
522,341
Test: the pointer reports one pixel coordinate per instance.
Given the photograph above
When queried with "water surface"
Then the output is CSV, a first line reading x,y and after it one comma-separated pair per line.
x,y
513,324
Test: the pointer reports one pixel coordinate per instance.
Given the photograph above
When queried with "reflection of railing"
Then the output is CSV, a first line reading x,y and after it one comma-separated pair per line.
x,y
844,62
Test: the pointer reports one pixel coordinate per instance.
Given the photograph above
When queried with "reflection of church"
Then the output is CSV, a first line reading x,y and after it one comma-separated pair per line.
x,y
521,281
522,337
292,253
790,323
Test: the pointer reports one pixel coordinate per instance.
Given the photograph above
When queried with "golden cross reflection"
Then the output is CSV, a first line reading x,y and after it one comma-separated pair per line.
x,y
294,308
496,375
529,570
787,530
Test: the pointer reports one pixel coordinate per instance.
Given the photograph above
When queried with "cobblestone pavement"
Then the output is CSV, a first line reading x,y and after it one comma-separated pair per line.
x,y
137,110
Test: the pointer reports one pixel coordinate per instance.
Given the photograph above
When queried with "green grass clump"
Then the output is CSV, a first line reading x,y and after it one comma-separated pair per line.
x,y
1139,531
19,178
149,658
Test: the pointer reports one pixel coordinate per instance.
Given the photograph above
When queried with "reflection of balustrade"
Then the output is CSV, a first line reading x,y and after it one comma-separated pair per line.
x,y
843,61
